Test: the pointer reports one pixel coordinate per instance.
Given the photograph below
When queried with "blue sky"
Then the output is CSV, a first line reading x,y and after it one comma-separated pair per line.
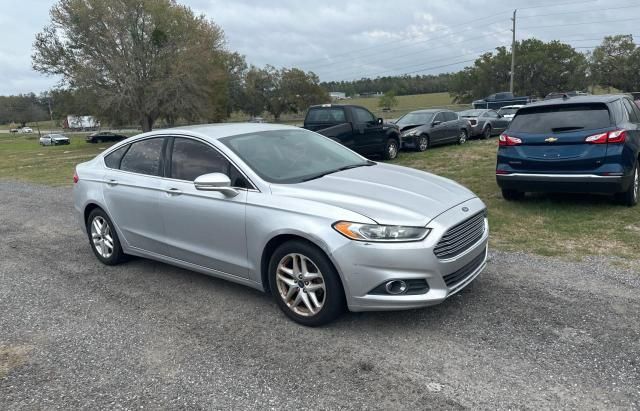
x,y
348,39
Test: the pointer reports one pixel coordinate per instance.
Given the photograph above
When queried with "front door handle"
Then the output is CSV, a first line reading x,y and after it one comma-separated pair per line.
x,y
173,191
112,182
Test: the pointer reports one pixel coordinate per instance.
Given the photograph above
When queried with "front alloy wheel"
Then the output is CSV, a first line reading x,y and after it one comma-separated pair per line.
x,y
462,137
305,284
423,143
300,284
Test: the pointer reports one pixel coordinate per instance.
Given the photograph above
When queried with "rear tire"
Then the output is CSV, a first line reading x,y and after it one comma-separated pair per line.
x,y
103,238
630,197
512,195
390,149
297,270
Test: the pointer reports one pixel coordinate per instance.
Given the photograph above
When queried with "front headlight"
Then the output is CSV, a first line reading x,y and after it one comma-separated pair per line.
x,y
412,132
380,233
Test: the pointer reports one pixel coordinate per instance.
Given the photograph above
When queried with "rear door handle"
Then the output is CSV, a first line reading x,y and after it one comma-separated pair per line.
x,y
173,191
112,182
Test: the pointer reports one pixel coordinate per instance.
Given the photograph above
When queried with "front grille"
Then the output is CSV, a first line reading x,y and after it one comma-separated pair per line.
x,y
457,276
459,238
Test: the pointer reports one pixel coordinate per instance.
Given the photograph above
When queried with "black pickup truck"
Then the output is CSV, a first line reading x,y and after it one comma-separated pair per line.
x,y
498,100
355,127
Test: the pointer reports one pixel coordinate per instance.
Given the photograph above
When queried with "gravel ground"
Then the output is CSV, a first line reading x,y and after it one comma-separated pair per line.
x,y
530,332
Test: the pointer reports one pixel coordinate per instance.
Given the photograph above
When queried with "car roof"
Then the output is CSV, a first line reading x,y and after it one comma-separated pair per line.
x,y
513,106
220,130
603,98
429,110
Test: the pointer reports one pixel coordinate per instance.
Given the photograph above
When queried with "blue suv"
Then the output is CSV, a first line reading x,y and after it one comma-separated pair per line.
x,y
585,144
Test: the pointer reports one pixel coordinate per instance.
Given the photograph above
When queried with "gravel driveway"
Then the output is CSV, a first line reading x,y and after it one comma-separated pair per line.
x,y
530,332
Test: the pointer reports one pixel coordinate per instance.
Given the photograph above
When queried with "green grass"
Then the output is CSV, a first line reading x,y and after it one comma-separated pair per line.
x,y
23,158
407,103
567,225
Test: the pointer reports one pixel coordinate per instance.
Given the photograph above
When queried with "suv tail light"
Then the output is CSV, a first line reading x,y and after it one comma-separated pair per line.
x,y
615,136
75,177
505,140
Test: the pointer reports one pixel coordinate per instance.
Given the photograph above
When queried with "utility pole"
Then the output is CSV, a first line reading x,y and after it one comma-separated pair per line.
x,y
513,50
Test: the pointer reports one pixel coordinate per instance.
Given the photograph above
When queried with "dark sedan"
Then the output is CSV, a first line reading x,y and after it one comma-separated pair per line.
x,y
104,136
424,128
484,122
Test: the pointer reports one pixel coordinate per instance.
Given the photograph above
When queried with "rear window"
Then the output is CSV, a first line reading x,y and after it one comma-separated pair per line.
x,y
556,119
326,115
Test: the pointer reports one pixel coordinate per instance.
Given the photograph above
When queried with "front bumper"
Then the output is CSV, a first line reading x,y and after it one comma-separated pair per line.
x,y
573,183
365,266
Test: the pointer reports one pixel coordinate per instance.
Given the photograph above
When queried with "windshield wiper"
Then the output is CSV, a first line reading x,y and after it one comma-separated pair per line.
x,y
365,164
568,128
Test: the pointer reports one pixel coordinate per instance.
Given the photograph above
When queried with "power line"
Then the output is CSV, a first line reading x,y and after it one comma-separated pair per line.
x,y
580,23
581,11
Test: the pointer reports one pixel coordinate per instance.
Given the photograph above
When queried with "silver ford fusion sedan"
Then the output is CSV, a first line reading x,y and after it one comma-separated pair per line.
x,y
287,211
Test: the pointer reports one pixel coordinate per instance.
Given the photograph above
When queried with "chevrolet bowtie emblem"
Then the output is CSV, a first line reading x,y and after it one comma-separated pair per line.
x,y
550,139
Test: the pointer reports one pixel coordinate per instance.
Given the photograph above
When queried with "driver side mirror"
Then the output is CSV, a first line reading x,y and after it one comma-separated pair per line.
x,y
379,121
215,182
435,123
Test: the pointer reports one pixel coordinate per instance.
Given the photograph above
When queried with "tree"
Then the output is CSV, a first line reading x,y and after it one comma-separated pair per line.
x,y
143,59
388,100
301,89
612,63
540,69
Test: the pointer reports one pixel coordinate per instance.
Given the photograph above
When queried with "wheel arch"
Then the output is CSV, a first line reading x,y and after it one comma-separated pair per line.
x,y
277,241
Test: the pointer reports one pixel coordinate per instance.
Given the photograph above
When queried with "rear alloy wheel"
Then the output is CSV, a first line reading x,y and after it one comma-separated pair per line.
x,y
486,133
462,137
422,144
305,284
630,197
512,195
103,238
391,149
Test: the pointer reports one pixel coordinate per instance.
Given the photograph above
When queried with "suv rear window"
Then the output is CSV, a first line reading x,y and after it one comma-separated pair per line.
x,y
326,115
554,119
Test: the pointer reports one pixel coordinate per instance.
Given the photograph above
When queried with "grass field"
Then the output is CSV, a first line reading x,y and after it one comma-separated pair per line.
x,y
568,225
22,158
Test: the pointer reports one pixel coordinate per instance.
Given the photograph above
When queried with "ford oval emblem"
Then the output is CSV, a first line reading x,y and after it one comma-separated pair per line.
x,y
465,209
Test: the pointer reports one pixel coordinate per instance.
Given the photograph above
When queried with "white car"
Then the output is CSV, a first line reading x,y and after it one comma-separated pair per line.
x,y
509,111
25,130
54,140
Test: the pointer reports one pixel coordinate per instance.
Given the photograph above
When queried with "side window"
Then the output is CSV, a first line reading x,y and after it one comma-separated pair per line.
x,y
451,116
491,97
113,159
636,109
630,111
191,159
144,157
363,116
439,117
492,114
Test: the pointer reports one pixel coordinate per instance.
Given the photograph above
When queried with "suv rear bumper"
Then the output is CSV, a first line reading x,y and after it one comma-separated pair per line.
x,y
576,183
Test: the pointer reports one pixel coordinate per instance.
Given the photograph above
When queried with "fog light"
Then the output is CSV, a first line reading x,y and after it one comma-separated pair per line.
x,y
396,287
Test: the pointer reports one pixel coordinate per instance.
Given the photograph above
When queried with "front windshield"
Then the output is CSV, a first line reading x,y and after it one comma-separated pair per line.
x,y
292,156
414,118
470,113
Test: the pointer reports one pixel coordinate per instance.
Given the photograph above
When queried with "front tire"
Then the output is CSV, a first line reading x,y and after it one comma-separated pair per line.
x,y
391,149
103,238
630,197
422,143
305,284
462,137
486,133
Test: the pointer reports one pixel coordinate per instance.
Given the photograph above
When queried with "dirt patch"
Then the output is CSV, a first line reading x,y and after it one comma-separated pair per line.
x,y
12,357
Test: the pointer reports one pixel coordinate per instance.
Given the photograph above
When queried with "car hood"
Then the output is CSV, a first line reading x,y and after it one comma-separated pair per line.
x,y
385,193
